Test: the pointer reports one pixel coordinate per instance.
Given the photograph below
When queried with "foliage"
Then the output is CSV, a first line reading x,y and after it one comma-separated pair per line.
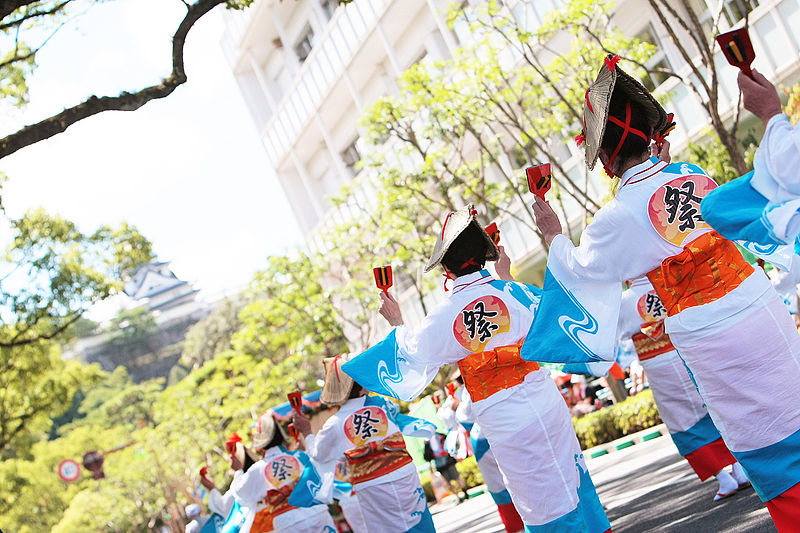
x,y
35,385
213,334
713,157
292,316
52,273
792,108
634,414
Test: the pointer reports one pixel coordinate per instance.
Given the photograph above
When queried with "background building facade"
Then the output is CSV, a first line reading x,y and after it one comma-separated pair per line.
x,y
308,69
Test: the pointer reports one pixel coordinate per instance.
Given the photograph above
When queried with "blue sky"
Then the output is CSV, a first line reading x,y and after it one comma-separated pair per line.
x,y
189,170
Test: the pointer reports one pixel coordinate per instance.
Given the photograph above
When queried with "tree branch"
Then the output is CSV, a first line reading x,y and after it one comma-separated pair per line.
x,y
126,101
34,14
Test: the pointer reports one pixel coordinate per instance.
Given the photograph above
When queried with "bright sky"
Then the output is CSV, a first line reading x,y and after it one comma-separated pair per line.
x,y
188,171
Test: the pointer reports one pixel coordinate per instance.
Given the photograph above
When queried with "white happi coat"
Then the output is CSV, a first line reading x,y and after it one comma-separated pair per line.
x,y
394,501
679,403
251,487
735,345
776,176
528,425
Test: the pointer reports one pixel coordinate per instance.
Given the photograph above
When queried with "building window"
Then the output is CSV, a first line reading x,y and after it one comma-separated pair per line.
x,y
653,78
329,7
735,10
305,44
351,156
732,11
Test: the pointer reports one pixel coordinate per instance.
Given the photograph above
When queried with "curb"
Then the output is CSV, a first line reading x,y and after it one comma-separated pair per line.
x,y
626,442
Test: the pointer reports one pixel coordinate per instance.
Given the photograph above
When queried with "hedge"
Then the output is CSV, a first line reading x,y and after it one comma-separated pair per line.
x,y
629,416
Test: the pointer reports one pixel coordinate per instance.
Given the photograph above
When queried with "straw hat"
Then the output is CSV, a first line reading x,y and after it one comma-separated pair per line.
x,y
264,430
598,101
454,224
338,385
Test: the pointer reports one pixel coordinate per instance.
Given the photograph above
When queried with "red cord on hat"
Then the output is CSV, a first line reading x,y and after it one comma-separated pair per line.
x,y
447,275
470,261
336,368
626,128
580,138
611,62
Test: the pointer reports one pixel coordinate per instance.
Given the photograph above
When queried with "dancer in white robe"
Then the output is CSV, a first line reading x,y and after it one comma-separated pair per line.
x,y
368,432
481,327
288,483
641,318
724,317
487,464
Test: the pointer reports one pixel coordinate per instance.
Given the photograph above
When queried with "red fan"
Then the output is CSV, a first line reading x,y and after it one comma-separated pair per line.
x,y
539,179
295,400
383,277
738,49
293,432
494,232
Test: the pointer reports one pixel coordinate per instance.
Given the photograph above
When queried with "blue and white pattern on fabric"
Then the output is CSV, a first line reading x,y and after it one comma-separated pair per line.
x,y
597,369
383,370
409,425
425,524
576,321
588,516
236,519
310,489
740,213
214,524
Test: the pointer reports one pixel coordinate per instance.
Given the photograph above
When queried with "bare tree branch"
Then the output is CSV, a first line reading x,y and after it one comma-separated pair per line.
x,y
126,101
34,14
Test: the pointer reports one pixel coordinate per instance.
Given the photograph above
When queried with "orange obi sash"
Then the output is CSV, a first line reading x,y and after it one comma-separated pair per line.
x,y
707,269
277,500
262,523
377,458
486,373
652,341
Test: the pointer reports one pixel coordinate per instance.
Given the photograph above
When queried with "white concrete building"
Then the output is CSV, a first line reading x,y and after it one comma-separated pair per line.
x,y
308,69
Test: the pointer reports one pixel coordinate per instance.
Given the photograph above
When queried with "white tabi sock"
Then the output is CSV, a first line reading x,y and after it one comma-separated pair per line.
x,y
726,482
738,474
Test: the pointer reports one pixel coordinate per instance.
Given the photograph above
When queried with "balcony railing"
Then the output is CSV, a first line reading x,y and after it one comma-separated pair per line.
x,y
344,36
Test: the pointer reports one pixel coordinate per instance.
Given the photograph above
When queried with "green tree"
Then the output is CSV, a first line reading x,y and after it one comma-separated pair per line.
x,y
52,273
213,334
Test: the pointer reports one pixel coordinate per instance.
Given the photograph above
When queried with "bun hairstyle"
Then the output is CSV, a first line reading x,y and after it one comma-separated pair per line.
x,y
467,253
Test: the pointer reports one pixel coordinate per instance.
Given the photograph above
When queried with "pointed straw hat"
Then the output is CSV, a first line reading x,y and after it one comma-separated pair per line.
x,y
598,100
338,385
454,224
264,429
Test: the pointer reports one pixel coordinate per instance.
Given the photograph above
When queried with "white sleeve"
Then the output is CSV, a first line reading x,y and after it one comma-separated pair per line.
x,y
431,345
326,445
447,415
192,527
630,322
251,486
464,413
601,254
219,503
780,148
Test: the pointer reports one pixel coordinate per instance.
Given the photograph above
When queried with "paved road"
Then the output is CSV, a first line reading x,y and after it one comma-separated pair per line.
x,y
647,487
